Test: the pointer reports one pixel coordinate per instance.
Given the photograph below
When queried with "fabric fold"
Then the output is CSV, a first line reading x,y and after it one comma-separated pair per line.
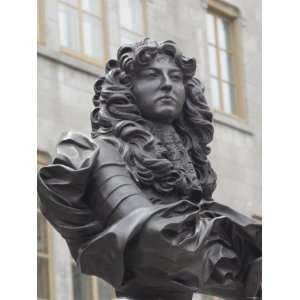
x,y
116,233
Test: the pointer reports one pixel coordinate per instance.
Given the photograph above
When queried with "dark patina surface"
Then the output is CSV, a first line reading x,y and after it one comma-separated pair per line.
x,y
134,202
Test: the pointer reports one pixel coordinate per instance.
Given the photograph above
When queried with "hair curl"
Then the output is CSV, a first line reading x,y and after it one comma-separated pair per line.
x,y
117,119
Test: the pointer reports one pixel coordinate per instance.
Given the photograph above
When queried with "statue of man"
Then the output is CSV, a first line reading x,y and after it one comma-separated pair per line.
x,y
134,202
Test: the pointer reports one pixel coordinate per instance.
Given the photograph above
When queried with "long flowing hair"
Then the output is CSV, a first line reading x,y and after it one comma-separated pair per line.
x,y
117,119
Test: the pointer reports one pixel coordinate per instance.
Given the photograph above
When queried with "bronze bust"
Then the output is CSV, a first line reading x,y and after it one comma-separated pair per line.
x,y
134,202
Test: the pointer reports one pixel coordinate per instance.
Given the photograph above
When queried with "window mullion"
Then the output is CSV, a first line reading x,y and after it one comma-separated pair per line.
x,y
235,79
40,21
80,10
218,62
145,27
104,22
50,262
95,291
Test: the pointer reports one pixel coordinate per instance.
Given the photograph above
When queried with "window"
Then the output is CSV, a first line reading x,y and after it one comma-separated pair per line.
x,y
224,65
44,278
132,24
81,29
89,287
43,259
40,21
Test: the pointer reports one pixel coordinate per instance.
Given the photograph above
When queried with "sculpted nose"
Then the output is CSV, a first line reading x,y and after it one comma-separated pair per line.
x,y
166,84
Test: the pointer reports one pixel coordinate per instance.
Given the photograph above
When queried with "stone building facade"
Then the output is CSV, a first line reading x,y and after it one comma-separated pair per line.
x,y
223,36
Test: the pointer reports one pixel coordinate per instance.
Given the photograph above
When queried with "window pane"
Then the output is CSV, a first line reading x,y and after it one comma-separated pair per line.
x,y
223,34
92,6
213,68
71,2
41,234
129,37
69,27
226,66
42,278
92,37
82,285
131,15
215,93
211,29
228,98
105,291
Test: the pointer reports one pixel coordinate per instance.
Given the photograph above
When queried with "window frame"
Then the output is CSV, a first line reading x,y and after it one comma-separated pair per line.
x,y
41,22
232,15
93,281
79,54
143,22
43,159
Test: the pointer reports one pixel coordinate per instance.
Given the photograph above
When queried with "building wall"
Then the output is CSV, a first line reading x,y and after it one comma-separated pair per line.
x,y
65,91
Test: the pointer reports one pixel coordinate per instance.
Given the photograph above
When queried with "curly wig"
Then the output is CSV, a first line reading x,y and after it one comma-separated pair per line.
x,y
117,119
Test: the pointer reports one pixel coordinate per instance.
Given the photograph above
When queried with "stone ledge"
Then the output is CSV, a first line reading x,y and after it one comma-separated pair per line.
x,y
69,61
233,122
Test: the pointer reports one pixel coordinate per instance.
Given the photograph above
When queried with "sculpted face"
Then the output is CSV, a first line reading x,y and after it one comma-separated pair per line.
x,y
159,90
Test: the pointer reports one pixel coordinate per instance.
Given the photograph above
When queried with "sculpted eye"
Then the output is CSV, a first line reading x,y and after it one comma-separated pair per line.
x,y
150,75
176,77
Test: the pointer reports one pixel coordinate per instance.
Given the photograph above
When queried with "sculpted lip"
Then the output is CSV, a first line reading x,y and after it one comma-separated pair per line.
x,y
166,98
